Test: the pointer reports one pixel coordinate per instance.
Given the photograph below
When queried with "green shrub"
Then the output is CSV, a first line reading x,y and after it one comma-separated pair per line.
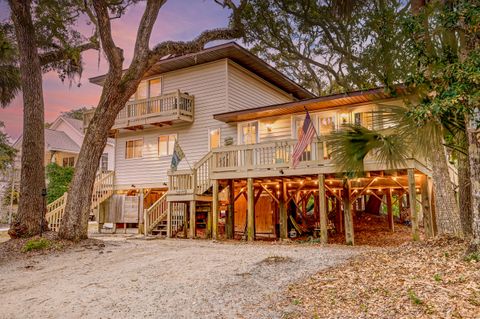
x,y
59,179
36,244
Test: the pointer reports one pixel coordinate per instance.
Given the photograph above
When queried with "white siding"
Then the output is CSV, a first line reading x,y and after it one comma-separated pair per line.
x,y
246,90
280,129
208,85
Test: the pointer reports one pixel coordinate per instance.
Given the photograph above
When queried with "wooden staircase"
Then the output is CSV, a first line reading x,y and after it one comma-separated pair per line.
x,y
156,217
193,182
102,190
162,215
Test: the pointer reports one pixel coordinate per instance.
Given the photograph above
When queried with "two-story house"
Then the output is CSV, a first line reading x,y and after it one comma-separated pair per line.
x,y
237,120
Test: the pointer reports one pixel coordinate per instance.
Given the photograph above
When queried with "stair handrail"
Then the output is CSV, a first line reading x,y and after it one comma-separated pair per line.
x,y
56,208
103,188
155,213
202,172
55,212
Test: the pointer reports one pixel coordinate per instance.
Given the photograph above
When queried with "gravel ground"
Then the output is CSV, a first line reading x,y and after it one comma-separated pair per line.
x,y
161,279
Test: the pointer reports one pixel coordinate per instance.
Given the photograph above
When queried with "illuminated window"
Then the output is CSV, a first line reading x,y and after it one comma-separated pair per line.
x,y
166,144
155,87
326,125
147,89
134,148
214,138
249,133
364,119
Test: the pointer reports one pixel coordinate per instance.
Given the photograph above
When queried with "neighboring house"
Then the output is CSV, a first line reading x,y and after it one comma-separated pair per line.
x,y
237,120
63,140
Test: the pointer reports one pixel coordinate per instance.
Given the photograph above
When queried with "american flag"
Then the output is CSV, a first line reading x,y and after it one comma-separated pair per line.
x,y
305,138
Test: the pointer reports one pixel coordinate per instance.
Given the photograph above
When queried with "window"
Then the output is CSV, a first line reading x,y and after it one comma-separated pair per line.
x,y
142,91
364,119
249,133
147,89
134,148
68,161
155,87
326,125
166,144
214,138
104,162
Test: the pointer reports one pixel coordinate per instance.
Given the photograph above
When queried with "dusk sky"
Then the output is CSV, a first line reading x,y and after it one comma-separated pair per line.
x,y
178,20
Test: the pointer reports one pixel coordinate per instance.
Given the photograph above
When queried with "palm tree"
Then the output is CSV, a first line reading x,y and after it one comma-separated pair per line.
x,y
399,137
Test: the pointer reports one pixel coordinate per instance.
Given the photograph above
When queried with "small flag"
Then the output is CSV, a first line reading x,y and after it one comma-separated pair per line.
x,y
178,155
305,138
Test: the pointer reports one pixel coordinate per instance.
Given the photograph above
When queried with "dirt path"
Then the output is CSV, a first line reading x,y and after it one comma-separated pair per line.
x,y
160,279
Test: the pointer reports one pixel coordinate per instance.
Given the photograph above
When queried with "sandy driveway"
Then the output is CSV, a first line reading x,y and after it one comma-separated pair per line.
x,y
160,279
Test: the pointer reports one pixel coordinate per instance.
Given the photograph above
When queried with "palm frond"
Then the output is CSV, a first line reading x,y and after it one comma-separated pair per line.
x,y
353,143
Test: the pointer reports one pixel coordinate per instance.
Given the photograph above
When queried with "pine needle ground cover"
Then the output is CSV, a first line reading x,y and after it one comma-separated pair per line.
x,y
430,279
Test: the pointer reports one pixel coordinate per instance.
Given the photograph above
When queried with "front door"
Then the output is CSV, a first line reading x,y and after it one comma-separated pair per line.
x,y
248,135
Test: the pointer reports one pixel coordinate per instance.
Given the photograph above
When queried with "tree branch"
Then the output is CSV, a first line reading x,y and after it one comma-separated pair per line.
x,y
63,54
145,28
114,54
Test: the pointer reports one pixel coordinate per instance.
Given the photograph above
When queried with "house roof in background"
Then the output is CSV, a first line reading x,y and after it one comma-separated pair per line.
x,y
77,124
234,52
59,141
314,104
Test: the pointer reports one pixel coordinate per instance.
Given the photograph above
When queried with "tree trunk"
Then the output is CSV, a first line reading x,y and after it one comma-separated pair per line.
x,y
447,212
74,225
474,157
465,191
31,207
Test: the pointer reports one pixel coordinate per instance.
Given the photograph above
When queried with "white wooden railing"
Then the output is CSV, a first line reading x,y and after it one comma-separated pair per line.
x,y
169,106
102,190
156,213
193,181
269,155
55,212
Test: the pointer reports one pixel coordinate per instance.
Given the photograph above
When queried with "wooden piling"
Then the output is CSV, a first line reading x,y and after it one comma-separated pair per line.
x,y
250,210
215,210
412,195
322,204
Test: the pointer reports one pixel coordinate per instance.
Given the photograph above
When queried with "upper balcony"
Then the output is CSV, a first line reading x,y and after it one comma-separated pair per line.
x,y
165,109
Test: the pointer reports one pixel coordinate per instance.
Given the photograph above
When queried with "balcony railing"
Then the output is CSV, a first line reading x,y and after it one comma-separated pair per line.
x,y
265,158
165,108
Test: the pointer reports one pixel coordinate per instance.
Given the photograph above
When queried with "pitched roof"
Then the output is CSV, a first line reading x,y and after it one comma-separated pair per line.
x,y
59,141
77,124
234,52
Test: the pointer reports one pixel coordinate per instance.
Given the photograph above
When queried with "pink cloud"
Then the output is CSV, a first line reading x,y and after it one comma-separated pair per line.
x,y
178,20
